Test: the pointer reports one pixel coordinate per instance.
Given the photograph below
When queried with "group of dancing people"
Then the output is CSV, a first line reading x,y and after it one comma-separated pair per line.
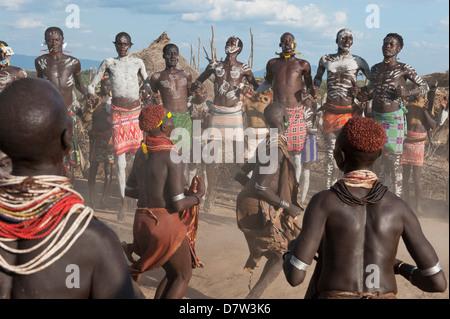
x,y
351,229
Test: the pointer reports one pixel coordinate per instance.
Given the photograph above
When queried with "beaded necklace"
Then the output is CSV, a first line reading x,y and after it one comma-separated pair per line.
x,y
39,207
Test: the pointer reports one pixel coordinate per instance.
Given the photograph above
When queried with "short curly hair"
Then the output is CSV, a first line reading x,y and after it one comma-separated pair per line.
x,y
151,116
396,36
363,134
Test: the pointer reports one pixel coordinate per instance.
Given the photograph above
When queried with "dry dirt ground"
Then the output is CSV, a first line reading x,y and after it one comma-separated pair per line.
x,y
222,247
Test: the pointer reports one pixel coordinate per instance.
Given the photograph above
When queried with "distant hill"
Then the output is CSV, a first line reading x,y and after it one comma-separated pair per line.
x,y
26,62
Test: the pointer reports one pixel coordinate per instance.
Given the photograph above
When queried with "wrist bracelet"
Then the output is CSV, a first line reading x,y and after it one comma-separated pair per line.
x,y
398,266
284,204
431,271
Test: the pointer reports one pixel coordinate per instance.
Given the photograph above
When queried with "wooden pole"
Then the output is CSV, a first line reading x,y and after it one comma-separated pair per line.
x,y
251,54
198,56
213,51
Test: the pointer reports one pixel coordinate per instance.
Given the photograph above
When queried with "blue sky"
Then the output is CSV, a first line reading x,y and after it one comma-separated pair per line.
x,y
424,26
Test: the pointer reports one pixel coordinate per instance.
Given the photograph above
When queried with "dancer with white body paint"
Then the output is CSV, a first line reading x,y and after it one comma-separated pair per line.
x,y
124,72
389,94
64,72
226,109
288,75
342,70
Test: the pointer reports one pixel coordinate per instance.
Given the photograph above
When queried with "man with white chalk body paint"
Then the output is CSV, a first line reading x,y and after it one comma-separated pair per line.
x,y
388,107
124,72
226,109
342,70
63,71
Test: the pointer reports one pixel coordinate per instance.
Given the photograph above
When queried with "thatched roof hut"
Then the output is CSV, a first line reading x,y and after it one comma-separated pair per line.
x,y
154,62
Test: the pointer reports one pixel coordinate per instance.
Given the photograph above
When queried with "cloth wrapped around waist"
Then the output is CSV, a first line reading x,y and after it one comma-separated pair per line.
x,y
227,117
413,148
395,126
296,131
157,235
335,116
126,133
182,122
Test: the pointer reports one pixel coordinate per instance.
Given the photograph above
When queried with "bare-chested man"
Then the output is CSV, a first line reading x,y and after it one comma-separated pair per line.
x,y
161,235
52,246
287,75
342,70
63,71
267,206
388,105
124,72
226,109
8,73
173,86
355,228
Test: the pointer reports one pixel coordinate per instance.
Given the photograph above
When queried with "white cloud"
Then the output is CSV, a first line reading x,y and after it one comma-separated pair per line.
x,y
428,45
13,5
269,12
28,23
444,21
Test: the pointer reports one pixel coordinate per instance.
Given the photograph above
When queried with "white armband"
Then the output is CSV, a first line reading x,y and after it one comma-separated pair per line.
x,y
297,263
431,271
178,197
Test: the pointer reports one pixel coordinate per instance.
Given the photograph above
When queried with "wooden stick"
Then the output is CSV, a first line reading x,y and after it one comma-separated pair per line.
x,y
251,54
198,56
213,55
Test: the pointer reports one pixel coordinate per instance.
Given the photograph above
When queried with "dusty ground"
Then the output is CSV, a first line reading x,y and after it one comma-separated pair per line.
x,y
222,247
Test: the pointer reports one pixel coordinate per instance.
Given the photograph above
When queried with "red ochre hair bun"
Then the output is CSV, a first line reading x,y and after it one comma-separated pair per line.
x,y
364,134
151,116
